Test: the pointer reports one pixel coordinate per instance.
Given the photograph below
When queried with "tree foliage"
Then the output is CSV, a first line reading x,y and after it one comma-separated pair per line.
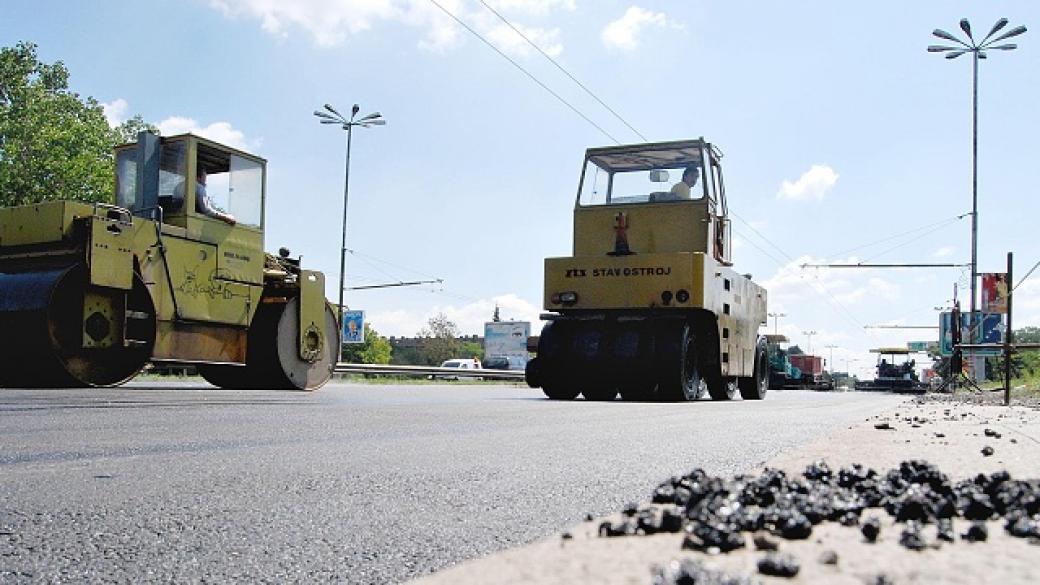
x,y
441,340
375,350
54,144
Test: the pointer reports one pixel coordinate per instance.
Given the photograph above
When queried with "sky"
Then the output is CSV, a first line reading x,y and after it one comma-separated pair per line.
x,y
844,139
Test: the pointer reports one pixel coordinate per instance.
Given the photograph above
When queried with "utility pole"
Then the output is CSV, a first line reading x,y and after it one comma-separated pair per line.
x,y
831,347
978,51
809,334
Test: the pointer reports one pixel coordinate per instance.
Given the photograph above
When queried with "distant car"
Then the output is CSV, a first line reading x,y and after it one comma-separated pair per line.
x,y
462,364
503,362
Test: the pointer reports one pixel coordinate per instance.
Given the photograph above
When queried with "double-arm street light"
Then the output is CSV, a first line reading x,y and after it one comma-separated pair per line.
x,y
776,321
331,116
978,51
809,334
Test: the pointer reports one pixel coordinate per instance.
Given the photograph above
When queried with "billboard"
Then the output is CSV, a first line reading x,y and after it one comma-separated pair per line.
x,y
994,292
508,338
353,326
991,328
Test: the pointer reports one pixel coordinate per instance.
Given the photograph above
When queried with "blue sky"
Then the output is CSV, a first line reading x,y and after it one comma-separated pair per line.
x,y
839,130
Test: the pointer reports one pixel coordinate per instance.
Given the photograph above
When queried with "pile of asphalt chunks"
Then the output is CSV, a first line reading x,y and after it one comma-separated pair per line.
x,y
716,513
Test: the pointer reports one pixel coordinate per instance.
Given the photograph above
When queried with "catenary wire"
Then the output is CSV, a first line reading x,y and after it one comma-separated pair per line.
x,y
564,71
525,71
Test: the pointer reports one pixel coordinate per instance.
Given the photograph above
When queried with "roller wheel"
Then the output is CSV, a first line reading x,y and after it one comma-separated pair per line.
x,y
678,375
755,387
42,317
273,361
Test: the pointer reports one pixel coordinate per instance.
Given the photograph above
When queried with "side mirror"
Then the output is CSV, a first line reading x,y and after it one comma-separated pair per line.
x,y
658,176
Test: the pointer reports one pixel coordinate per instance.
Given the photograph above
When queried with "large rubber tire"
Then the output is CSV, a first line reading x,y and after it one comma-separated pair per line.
x,y
554,360
721,388
590,370
634,361
755,387
677,367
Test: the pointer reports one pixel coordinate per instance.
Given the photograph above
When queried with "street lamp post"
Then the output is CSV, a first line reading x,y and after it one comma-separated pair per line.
x,y
776,321
831,347
809,334
331,116
978,51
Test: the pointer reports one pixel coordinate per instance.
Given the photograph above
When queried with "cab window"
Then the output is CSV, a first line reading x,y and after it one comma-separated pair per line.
x,y
171,178
233,185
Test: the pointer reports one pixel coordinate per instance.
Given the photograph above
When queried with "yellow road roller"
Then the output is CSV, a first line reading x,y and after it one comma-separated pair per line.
x,y
649,305
174,272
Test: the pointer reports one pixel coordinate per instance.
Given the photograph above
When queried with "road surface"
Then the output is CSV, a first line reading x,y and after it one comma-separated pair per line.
x,y
355,483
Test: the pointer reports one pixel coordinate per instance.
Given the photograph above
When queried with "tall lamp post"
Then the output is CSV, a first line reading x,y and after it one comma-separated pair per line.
x,y
978,51
331,116
809,334
776,321
831,347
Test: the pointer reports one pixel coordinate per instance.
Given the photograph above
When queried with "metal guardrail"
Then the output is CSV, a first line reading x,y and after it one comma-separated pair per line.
x,y
392,370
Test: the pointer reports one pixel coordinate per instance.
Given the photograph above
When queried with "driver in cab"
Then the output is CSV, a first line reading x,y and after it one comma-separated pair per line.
x,y
683,188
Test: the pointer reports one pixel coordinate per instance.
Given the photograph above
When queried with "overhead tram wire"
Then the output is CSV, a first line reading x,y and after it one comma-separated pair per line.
x,y
1035,266
943,223
564,71
525,72
908,242
531,76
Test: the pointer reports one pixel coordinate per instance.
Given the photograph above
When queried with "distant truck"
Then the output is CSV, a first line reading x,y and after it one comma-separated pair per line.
x,y
794,371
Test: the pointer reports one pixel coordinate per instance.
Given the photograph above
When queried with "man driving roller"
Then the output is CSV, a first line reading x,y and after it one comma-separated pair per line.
x,y
682,189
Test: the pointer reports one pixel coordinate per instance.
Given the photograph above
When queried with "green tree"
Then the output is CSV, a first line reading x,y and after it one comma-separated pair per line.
x,y
128,130
471,349
440,340
53,143
375,350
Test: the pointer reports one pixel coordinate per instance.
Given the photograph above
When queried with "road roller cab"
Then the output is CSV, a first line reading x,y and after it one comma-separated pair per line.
x,y
174,272
648,303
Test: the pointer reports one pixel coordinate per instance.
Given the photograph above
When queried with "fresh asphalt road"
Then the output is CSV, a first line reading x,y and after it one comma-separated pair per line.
x,y
355,483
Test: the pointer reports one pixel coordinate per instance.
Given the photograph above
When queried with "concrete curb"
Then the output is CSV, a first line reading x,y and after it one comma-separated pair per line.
x,y
949,434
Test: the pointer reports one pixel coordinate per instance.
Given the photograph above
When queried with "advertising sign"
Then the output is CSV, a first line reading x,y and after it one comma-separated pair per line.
x,y
507,338
994,292
353,326
991,328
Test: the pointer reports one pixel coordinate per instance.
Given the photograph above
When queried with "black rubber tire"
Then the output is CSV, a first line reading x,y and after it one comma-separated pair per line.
x,y
600,393
560,392
755,387
554,360
678,377
720,388
634,362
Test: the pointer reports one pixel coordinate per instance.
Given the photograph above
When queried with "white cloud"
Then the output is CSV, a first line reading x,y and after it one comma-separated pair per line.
x,y
222,132
328,21
470,317
332,22
944,252
813,184
624,32
115,111
509,41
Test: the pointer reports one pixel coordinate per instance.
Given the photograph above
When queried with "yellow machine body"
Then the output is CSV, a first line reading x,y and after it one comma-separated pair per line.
x,y
159,277
656,256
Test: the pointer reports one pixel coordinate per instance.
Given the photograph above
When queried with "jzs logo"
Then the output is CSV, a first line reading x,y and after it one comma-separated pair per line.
x,y
575,273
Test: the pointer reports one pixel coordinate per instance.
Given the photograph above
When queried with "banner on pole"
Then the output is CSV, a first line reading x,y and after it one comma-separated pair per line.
x,y
353,326
994,292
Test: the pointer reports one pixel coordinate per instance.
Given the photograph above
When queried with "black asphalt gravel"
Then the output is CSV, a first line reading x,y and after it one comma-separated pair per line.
x,y
355,483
